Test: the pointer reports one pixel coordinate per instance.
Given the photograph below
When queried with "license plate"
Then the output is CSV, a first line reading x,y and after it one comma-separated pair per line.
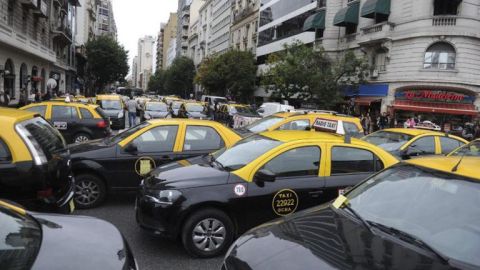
x,y
71,205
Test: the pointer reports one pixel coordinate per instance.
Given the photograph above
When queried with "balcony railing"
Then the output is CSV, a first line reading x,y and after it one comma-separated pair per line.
x,y
377,28
444,21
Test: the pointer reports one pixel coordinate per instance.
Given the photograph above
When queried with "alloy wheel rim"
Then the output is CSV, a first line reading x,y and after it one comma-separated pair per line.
x,y
209,234
86,192
81,138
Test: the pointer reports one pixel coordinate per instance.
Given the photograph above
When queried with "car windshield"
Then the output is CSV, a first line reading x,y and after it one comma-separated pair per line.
x,y
194,108
244,110
469,150
389,141
263,124
244,152
110,104
43,136
157,107
176,105
438,208
20,240
122,135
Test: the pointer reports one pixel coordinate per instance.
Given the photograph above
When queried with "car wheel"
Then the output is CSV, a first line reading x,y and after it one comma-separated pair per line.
x,y
81,137
90,191
207,233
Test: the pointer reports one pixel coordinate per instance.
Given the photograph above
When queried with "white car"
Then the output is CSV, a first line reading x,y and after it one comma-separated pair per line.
x,y
273,107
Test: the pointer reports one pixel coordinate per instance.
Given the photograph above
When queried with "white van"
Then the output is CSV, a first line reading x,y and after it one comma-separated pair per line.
x,y
212,99
273,107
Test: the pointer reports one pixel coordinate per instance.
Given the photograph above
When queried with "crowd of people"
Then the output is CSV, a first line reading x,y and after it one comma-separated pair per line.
x,y
371,123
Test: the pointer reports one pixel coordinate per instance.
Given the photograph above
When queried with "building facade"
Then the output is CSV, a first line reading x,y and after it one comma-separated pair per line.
x,y
105,22
221,20
170,34
160,37
183,16
145,61
171,53
135,73
243,32
37,42
422,53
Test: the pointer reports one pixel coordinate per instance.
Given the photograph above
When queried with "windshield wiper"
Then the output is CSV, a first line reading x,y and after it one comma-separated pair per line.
x,y
357,216
213,161
412,239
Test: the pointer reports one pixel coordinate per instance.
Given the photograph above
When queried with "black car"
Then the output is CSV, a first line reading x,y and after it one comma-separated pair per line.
x,y
114,109
45,241
406,217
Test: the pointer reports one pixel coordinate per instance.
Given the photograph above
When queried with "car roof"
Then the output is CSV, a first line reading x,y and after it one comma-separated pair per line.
x,y
170,121
314,115
13,116
468,167
413,131
298,135
156,101
114,97
59,102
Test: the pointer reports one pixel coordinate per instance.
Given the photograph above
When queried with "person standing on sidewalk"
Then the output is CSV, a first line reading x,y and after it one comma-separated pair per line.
x,y
132,107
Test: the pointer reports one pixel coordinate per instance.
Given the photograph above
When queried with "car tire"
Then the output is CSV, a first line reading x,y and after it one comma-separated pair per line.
x,y
81,137
90,191
205,228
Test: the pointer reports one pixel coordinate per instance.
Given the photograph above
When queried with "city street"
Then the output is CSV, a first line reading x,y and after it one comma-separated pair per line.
x,y
150,252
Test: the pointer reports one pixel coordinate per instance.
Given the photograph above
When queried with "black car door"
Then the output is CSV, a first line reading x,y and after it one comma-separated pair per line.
x,y
65,119
200,140
11,183
298,185
150,149
349,165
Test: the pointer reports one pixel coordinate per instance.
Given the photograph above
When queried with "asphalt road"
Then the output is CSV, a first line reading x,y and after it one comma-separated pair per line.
x,y
150,252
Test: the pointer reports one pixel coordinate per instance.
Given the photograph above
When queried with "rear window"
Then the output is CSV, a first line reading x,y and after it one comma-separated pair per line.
x,y
110,104
44,136
101,113
86,114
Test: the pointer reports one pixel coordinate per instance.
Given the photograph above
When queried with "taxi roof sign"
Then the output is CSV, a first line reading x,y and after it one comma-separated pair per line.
x,y
328,125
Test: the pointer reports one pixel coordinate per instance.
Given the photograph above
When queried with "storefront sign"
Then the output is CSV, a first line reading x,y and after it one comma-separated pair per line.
x,y
434,96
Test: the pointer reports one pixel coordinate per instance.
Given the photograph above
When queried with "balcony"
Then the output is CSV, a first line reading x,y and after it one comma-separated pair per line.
x,y
376,33
62,35
42,9
241,14
29,3
444,21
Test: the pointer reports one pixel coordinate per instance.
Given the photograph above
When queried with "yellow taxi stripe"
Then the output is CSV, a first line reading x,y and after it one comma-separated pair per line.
x,y
13,208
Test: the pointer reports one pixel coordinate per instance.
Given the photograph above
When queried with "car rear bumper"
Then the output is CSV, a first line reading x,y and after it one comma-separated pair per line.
x,y
117,123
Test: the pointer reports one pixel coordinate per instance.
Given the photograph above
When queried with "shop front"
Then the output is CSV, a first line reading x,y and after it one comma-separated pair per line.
x,y
446,107
367,98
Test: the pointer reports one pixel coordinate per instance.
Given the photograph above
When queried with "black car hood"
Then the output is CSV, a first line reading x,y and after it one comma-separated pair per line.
x,y
89,147
76,242
156,114
112,113
320,238
200,160
187,177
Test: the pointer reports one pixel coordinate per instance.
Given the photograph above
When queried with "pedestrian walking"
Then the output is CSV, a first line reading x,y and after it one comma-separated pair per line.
x,y
132,107
4,98
382,121
37,97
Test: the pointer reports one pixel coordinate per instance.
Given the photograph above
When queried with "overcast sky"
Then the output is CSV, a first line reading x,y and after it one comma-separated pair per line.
x,y
137,18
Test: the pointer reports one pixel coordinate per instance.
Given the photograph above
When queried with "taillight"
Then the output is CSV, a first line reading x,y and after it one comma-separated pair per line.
x,y
46,193
102,124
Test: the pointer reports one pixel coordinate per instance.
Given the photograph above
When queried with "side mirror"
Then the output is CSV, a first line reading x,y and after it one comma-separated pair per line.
x,y
131,148
264,175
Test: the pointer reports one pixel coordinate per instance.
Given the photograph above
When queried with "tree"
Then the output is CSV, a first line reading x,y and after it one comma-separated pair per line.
x,y
178,78
304,73
232,73
157,82
107,61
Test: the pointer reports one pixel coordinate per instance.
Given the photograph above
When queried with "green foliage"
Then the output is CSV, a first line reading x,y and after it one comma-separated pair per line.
x,y
178,78
157,81
107,61
232,73
303,73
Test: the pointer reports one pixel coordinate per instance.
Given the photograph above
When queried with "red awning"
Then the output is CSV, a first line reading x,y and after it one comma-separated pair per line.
x,y
366,101
447,108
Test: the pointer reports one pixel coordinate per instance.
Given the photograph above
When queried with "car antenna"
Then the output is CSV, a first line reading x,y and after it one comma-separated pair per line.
x,y
454,169
348,138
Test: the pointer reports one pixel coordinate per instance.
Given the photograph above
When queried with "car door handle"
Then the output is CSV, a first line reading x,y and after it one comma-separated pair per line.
x,y
166,157
315,194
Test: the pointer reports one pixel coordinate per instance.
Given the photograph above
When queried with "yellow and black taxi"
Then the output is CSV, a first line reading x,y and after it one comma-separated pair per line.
x,y
76,122
262,177
227,112
192,110
35,168
422,214
114,107
303,121
118,163
471,150
156,110
406,143
44,241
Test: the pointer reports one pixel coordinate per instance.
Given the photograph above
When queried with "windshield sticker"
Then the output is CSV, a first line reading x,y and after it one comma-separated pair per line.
x,y
340,201
144,165
285,202
239,190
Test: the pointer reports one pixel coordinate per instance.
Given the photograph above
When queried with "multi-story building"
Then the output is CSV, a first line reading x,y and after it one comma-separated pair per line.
x,y
145,61
183,15
243,32
135,72
193,30
105,20
422,53
171,52
37,43
160,45
221,20
170,34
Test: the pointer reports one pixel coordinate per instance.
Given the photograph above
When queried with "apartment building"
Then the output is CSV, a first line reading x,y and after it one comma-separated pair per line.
x,y
169,35
144,61
423,54
160,44
183,16
221,20
243,32
37,42
105,22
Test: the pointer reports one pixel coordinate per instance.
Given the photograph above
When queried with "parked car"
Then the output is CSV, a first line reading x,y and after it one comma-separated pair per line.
x,y
35,167
228,112
156,110
270,108
76,122
114,108
193,110
44,241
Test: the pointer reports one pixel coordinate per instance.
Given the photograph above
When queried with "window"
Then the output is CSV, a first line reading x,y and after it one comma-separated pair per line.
x,y
38,109
296,162
4,152
86,114
350,29
446,7
352,160
295,125
423,146
198,138
440,55
64,112
379,60
351,128
159,139
449,144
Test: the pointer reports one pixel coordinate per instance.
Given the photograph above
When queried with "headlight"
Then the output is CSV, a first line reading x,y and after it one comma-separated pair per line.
x,y
167,197
120,114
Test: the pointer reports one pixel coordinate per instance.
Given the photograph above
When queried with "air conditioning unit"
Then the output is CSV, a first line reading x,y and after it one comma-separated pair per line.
x,y
374,73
